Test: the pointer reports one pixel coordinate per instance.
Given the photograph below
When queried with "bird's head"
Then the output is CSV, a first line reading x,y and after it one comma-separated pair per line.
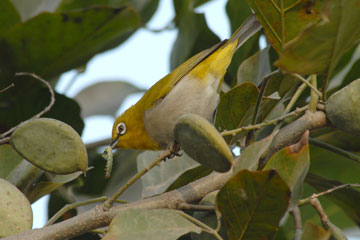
x,y
129,132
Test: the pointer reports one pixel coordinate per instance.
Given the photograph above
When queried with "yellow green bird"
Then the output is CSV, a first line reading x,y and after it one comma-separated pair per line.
x,y
193,87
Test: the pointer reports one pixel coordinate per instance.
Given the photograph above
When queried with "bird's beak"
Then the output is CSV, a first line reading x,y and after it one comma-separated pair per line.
x,y
114,142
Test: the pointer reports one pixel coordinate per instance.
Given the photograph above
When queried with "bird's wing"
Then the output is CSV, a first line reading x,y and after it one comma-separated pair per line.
x,y
160,89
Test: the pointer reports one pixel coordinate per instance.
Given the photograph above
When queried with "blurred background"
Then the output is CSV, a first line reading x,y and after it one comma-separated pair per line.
x,y
107,79
141,60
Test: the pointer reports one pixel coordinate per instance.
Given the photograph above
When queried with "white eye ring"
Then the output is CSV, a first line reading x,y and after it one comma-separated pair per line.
x,y
121,128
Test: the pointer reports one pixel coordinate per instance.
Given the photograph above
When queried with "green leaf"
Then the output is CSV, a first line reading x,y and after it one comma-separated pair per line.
x,y
15,210
159,224
333,211
104,98
19,105
337,167
51,145
9,159
255,68
341,111
237,106
354,73
346,198
281,83
34,46
237,12
30,8
209,218
314,232
345,71
68,111
189,176
292,164
284,20
193,37
24,176
250,156
203,143
48,184
253,203
338,138
8,15
160,178
146,8
320,46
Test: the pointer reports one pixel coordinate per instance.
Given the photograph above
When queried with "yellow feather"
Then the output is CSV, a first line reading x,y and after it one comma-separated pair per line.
x,y
204,67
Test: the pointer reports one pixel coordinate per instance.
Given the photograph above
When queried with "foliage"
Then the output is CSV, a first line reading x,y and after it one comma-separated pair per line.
x,y
292,108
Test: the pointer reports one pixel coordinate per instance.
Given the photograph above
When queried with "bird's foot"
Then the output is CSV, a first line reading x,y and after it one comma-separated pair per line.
x,y
174,149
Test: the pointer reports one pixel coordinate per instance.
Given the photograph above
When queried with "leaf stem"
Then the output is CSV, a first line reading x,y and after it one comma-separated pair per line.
x,y
295,97
68,207
205,208
307,200
46,109
267,22
314,98
275,6
308,84
337,234
250,135
258,101
205,227
265,123
335,149
110,201
6,88
292,102
282,13
292,5
5,140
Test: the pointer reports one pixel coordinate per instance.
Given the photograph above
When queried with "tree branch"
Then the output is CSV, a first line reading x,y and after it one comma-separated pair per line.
x,y
317,195
108,203
319,209
295,213
204,208
292,132
265,123
97,217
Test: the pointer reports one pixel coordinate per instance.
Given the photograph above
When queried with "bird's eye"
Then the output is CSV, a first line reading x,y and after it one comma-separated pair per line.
x,y
121,128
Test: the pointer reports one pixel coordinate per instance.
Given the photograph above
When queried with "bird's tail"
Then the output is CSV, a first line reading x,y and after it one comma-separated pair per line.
x,y
246,30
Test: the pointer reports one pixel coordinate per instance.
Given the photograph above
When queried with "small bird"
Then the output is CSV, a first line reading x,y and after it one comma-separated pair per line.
x,y
193,87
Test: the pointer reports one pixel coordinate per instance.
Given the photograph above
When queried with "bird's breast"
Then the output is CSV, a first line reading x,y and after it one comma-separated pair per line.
x,y
190,95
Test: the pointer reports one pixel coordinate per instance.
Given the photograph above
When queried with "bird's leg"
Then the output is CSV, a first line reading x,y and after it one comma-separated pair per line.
x,y
174,149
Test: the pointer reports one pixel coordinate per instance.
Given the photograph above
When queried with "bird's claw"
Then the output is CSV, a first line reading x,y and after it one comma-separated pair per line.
x,y
174,149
